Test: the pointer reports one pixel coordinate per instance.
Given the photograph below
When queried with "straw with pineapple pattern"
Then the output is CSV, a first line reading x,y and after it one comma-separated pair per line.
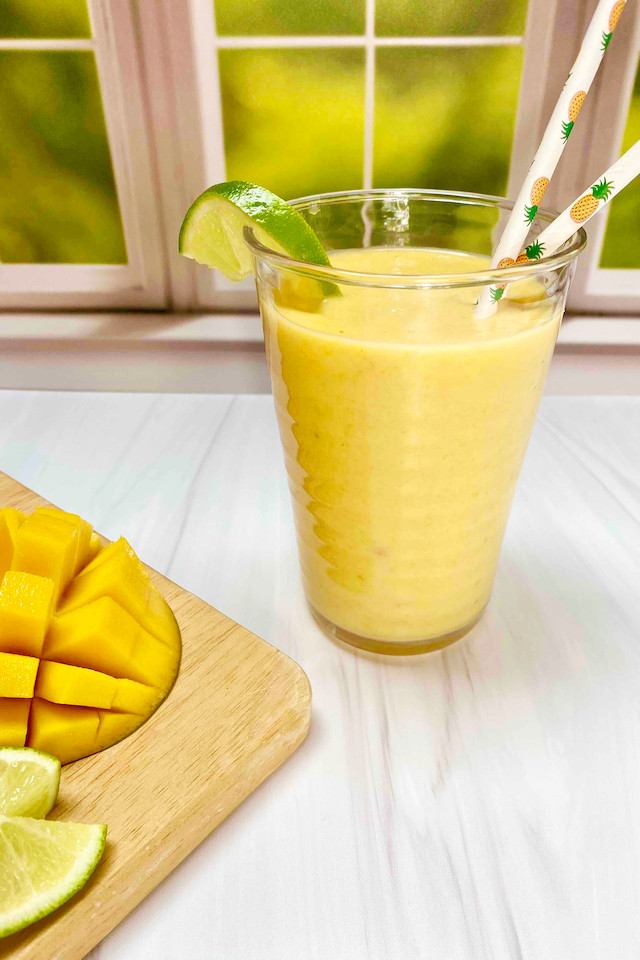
x,y
563,118
612,181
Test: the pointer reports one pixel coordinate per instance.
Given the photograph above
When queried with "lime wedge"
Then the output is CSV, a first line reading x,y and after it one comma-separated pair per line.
x,y
29,782
42,864
212,230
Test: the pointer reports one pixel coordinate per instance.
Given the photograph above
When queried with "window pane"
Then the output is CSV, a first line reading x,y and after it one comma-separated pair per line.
x,y
445,18
293,119
44,18
621,248
445,117
58,199
265,18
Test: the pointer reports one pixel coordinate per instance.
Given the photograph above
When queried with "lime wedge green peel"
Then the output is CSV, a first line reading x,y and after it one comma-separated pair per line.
x,y
212,230
29,782
42,865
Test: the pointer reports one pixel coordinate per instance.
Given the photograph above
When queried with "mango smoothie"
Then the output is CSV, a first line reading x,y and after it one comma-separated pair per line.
x,y
404,423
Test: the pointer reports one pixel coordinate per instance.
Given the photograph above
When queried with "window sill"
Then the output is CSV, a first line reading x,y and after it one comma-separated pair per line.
x,y
92,329
223,353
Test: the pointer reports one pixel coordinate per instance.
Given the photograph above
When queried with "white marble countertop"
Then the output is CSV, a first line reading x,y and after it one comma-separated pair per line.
x,y
482,803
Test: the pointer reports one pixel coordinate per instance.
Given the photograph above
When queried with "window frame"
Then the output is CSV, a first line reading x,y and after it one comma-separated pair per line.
x,y
140,282
158,71
598,143
214,292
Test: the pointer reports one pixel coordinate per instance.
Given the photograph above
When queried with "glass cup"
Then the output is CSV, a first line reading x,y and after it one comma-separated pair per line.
x,y
404,419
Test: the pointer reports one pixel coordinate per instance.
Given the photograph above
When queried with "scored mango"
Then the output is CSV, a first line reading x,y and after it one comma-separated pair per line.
x,y
83,530
14,720
115,726
17,675
75,686
117,573
88,646
134,697
103,636
46,546
66,732
26,608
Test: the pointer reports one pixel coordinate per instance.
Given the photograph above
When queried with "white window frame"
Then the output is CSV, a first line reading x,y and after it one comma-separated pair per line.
x,y
598,142
140,282
157,64
551,40
213,291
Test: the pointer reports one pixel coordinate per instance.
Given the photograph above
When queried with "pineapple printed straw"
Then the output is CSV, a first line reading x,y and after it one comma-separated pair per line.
x,y
563,118
619,174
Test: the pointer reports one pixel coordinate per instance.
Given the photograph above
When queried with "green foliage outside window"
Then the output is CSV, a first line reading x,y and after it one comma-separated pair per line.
x,y
621,247
293,118
58,200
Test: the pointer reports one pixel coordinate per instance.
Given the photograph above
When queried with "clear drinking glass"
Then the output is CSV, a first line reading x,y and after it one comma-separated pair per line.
x,y
404,419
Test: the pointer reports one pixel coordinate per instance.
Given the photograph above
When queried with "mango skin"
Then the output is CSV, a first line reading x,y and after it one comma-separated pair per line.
x,y
106,644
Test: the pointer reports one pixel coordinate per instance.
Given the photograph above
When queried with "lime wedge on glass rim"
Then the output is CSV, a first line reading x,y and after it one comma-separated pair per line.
x,y
29,781
212,230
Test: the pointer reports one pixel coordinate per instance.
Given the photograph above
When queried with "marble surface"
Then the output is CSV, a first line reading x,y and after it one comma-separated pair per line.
x,y
482,803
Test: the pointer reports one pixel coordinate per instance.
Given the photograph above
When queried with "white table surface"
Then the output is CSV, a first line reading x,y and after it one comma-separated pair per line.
x,y
482,803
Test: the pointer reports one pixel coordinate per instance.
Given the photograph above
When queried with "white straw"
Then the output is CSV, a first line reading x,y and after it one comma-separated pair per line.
x,y
574,92
592,201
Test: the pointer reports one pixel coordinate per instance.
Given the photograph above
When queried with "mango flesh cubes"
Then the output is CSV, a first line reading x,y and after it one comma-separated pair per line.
x,y
66,732
75,686
14,718
17,675
103,636
26,608
83,530
117,573
88,646
46,546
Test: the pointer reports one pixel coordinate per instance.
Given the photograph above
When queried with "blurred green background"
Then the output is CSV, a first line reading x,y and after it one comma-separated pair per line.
x,y
621,244
58,201
293,118
44,19
266,18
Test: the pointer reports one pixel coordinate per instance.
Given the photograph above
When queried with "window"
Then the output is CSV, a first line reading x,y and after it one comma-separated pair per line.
x,y
119,112
307,98
608,276
78,223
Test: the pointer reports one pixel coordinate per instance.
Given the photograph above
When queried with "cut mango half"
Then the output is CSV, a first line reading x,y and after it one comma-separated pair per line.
x,y
88,646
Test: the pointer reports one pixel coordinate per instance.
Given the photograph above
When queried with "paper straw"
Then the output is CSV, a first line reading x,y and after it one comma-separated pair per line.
x,y
586,206
574,92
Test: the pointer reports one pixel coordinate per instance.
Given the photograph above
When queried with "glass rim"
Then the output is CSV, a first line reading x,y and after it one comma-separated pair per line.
x,y
567,253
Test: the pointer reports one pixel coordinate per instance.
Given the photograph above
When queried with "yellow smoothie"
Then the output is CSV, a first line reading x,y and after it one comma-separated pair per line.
x,y
404,423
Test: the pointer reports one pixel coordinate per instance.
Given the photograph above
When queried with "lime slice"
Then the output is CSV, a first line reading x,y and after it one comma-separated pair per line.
x,y
212,230
42,864
29,782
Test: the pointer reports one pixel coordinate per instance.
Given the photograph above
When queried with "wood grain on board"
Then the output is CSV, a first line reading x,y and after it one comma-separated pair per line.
x,y
238,709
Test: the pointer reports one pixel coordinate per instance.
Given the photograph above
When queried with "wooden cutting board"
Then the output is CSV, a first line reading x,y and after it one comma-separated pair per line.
x,y
237,710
